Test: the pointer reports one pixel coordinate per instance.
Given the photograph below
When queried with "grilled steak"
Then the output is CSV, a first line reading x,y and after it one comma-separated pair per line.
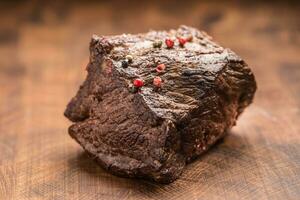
x,y
153,102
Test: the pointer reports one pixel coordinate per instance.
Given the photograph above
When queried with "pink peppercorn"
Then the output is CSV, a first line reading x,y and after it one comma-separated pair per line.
x,y
138,83
182,41
169,43
160,68
157,81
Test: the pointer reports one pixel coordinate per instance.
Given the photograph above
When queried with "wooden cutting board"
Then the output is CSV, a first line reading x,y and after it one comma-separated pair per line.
x,y
43,54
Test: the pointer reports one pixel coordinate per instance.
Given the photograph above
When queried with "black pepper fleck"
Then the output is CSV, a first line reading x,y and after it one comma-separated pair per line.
x,y
124,63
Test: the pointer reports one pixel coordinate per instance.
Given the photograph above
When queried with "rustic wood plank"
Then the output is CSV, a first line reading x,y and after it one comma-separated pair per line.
x,y
43,54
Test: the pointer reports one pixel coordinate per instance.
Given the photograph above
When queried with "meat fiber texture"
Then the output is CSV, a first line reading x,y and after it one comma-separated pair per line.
x,y
154,132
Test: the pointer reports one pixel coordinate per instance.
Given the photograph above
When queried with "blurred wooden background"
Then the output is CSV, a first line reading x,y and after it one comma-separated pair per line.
x,y
43,53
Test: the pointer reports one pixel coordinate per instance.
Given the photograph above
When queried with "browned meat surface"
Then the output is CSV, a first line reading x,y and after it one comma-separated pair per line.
x,y
152,132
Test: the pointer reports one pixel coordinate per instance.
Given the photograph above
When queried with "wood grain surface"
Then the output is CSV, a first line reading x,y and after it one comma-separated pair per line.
x,y
43,54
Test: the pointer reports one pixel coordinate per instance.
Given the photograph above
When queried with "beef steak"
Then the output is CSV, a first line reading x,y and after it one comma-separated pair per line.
x,y
152,131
